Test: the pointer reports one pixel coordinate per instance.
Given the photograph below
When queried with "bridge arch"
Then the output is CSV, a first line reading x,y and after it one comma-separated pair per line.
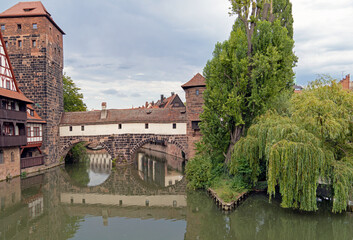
x,y
157,139
68,143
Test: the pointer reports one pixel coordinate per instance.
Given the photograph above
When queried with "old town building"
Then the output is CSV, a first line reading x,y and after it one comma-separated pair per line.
x,y
35,46
31,154
194,101
12,118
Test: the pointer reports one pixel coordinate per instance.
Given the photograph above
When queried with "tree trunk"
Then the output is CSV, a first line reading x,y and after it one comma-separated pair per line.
x,y
235,135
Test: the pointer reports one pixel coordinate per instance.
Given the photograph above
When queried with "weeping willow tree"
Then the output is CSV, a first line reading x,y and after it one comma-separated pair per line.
x,y
313,145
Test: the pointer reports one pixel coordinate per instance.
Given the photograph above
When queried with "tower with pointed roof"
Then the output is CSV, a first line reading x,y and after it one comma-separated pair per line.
x,y
35,46
194,101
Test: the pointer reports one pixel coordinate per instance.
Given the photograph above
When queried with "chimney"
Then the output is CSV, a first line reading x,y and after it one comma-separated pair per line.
x,y
173,93
146,104
104,111
162,97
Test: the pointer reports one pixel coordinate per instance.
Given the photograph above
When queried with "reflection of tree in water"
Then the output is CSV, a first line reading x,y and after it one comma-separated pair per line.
x,y
79,172
259,219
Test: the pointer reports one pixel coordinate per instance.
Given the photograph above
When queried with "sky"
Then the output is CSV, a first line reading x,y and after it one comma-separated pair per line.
x,y
127,52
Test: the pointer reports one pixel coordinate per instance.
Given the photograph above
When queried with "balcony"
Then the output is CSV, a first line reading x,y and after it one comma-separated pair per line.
x,y
13,115
13,141
31,161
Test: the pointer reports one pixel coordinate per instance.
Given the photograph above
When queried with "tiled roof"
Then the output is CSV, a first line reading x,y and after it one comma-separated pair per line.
x,y
35,118
197,81
14,95
28,9
143,115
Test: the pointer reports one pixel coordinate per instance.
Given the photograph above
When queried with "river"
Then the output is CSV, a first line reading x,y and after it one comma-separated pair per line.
x,y
148,200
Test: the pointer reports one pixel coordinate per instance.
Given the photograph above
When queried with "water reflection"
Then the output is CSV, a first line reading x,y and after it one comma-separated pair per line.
x,y
92,170
49,206
159,168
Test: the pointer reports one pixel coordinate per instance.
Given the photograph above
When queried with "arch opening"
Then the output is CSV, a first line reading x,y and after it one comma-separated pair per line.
x,y
159,163
88,164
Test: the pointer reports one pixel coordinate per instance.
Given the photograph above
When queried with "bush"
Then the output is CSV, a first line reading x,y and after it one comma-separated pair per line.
x,y
198,172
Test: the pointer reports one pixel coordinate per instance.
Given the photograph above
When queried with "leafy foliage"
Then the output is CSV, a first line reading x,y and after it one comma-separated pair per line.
x,y
198,172
313,144
73,100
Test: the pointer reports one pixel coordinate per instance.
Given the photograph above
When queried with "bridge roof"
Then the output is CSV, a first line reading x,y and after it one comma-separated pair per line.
x,y
158,115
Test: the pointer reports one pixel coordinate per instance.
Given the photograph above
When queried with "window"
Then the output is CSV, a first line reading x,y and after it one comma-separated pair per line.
x,y
19,43
34,43
2,26
57,36
6,44
9,130
31,112
19,26
82,128
195,125
50,29
12,157
36,132
34,25
28,131
174,125
146,125
1,157
8,84
13,106
197,92
120,126
70,128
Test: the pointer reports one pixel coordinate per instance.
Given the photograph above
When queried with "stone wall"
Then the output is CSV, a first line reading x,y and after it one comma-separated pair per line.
x,y
124,146
38,67
194,103
11,165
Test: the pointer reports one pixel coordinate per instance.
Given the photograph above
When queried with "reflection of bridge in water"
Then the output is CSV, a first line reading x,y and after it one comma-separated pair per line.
x,y
100,162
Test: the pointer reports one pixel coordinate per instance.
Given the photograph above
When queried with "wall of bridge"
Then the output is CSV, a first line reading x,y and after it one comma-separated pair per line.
x,y
122,147
123,128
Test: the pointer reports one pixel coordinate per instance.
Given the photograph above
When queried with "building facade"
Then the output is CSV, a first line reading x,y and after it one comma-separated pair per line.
x,y
12,118
35,46
194,101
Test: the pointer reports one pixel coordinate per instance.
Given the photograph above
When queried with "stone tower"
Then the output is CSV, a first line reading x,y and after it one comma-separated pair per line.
x,y
194,101
35,46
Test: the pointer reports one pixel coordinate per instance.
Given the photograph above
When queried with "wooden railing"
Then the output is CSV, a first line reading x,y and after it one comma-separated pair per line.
x,y
12,141
31,161
12,114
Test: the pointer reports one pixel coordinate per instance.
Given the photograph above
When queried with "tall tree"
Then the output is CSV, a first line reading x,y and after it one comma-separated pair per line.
x,y
247,72
73,100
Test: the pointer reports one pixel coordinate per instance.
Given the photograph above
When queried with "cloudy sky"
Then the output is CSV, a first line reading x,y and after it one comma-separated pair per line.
x,y
127,52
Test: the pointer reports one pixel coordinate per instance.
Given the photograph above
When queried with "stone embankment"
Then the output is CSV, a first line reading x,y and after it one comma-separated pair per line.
x,y
224,206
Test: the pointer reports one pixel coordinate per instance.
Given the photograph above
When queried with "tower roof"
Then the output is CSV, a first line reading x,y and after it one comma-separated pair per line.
x,y
197,81
29,9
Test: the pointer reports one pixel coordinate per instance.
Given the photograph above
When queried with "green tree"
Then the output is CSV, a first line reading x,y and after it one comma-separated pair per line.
x,y
313,145
73,100
247,73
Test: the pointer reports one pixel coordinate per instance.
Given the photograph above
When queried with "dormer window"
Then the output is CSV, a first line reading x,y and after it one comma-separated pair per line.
x,y
28,9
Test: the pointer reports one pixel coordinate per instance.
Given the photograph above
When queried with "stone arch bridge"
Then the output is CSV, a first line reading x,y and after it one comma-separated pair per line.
x,y
123,147
121,132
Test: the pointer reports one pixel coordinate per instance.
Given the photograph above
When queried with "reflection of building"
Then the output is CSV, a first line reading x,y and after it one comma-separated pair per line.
x,y
100,162
156,170
12,117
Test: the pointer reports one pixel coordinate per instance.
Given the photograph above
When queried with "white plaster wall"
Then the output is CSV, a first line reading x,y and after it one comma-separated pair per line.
x,y
131,128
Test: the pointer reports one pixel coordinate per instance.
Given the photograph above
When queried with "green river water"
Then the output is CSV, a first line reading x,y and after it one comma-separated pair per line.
x,y
146,201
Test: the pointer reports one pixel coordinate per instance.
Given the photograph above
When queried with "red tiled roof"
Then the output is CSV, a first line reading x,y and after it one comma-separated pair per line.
x,y
28,9
197,81
35,118
14,95
142,115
